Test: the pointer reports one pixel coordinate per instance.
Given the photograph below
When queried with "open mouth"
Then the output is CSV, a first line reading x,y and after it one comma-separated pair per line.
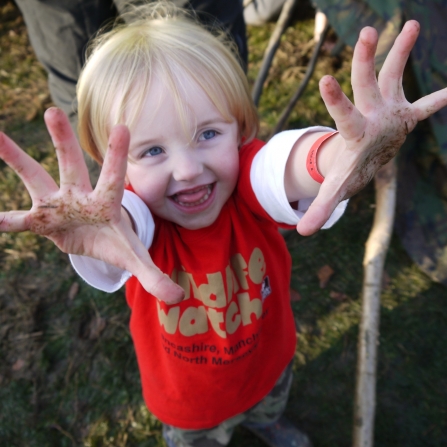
x,y
193,197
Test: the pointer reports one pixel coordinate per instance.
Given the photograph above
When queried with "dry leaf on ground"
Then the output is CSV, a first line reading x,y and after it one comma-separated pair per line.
x,y
324,275
294,295
338,296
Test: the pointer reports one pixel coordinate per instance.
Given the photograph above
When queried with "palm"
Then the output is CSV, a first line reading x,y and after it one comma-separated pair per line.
x,y
78,219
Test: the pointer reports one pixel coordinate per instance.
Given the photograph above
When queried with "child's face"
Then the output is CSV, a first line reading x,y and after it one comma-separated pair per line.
x,y
184,172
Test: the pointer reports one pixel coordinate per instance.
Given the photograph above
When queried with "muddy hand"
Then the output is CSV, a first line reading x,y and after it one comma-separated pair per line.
x,y
375,127
78,219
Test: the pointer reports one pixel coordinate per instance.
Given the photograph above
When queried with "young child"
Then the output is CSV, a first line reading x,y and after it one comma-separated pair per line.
x,y
165,108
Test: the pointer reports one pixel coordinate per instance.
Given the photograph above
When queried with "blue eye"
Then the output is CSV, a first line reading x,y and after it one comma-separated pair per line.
x,y
208,134
154,151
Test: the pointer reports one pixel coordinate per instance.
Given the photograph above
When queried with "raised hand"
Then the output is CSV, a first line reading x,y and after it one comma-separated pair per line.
x,y
78,219
375,127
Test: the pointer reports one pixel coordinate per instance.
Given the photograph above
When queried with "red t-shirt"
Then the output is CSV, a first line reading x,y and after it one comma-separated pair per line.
x,y
221,350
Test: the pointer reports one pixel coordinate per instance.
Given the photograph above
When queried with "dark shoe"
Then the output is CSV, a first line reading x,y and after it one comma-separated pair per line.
x,y
281,434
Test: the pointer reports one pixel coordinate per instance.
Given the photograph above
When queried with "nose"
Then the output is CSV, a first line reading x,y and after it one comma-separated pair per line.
x,y
187,165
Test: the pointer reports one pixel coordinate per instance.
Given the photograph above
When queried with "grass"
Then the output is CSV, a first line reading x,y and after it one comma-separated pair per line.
x,y
68,374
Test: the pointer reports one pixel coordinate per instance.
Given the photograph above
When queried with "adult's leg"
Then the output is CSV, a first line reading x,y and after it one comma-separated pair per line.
x,y
59,31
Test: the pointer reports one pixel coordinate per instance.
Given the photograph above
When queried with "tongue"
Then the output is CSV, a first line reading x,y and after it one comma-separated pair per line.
x,y
194,196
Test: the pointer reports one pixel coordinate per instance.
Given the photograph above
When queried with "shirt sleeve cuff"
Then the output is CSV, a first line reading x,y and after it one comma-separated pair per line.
x,y
269,189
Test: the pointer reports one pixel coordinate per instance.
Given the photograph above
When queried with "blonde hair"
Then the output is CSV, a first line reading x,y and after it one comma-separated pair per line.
x,y
163,40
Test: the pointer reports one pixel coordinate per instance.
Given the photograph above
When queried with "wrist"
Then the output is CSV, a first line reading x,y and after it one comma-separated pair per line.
x,y
321,155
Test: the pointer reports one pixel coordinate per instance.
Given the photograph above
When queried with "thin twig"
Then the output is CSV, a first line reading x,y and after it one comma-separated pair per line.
x,y
309,72
272,46
28,336
375,254
64,432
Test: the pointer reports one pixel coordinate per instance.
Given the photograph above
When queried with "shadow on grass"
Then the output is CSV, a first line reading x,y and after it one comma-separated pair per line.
x,y
411,388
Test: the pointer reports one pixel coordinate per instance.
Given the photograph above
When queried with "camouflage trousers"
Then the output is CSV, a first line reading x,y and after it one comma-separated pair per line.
x,y
263,414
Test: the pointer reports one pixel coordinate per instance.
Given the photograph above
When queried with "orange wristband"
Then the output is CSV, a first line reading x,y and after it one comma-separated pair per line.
x,y
311,162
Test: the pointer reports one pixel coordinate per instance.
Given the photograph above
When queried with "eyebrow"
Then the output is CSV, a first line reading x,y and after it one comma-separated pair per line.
x,y
205,123
212,121
139,144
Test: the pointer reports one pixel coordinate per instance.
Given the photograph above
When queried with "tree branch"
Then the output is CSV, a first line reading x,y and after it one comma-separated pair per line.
x,y
375,254
281,24
309,72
